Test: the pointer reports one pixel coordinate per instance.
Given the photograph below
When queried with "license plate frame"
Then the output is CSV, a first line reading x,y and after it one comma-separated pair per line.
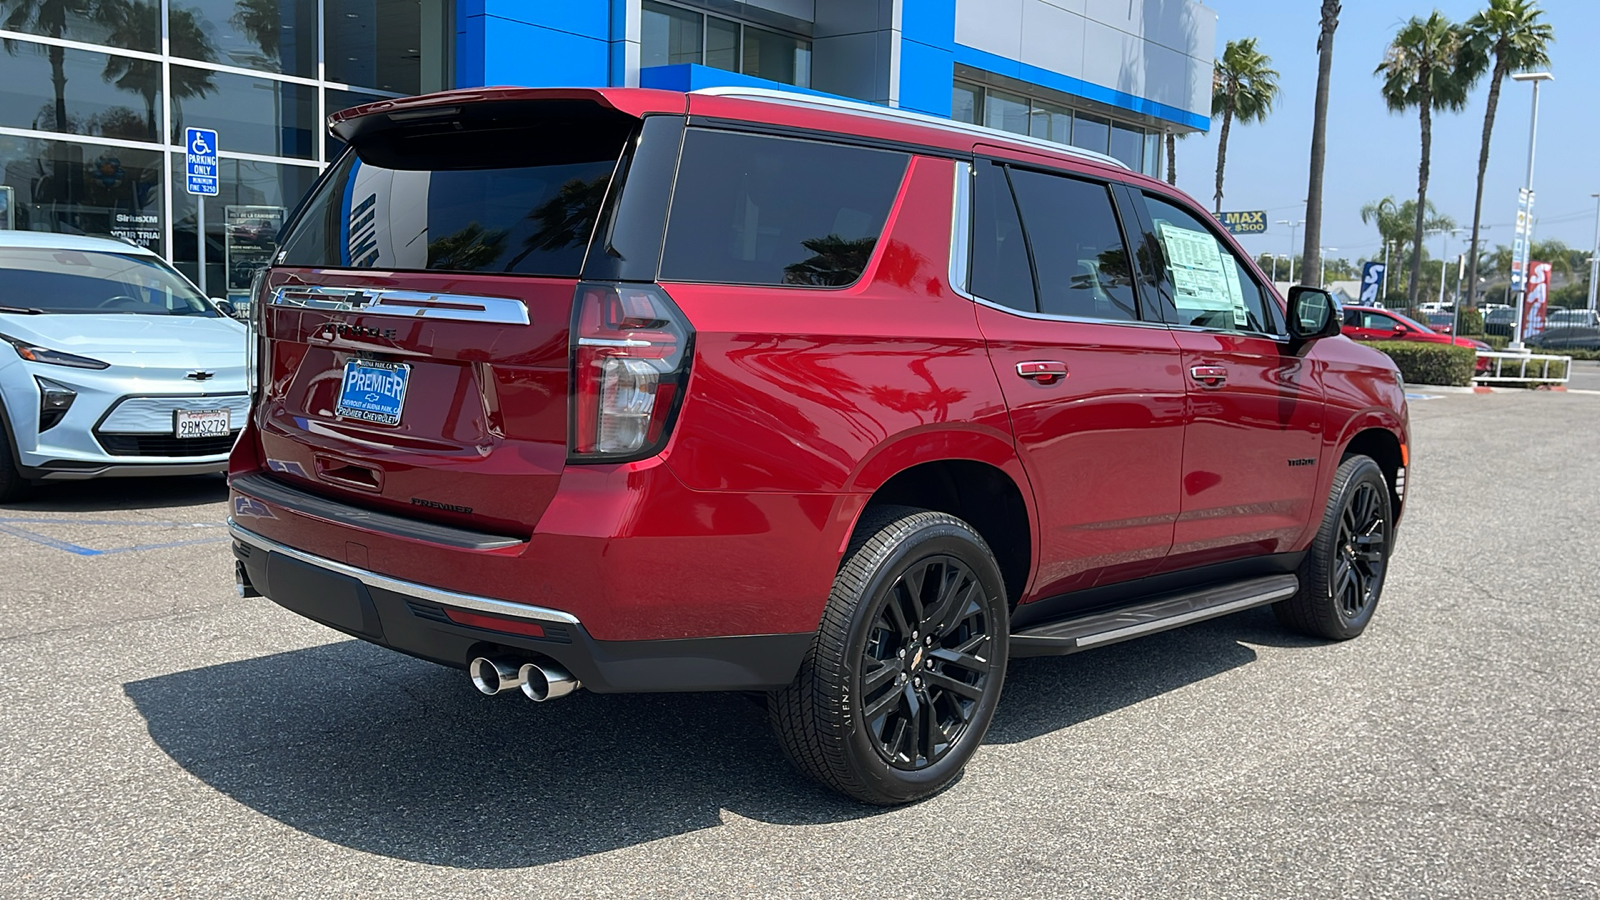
x,y
373,403
191,424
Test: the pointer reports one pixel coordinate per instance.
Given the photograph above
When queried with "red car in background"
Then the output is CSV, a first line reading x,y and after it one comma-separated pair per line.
x,y
1364,323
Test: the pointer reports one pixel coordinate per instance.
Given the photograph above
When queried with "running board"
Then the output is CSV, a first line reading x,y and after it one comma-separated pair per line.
x,y
1065,636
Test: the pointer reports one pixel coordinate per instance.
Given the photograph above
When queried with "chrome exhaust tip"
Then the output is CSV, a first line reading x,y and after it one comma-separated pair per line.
x,y
546,681
495,676
241,582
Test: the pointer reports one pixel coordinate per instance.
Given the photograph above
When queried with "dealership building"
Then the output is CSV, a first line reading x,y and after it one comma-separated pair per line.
x,y
96,95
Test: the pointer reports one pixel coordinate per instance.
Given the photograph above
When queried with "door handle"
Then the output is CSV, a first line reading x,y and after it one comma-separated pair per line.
x,y
1209,376
1044,371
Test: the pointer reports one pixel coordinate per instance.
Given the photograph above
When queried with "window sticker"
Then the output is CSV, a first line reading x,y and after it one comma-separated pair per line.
x,y
1201,276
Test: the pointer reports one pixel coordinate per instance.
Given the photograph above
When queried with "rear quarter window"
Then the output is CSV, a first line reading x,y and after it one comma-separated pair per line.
x,y
756,209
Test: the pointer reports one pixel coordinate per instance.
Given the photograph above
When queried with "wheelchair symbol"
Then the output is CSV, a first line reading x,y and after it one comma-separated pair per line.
x,y
200,147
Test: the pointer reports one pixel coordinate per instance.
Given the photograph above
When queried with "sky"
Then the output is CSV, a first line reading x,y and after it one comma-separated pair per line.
x,y
1373,153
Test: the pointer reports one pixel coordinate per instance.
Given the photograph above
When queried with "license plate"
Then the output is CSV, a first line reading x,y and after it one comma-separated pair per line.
x,y
373,391
202,423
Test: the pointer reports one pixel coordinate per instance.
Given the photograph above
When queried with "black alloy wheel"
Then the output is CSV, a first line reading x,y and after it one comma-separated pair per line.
x,y
926,662
1361,555
904,674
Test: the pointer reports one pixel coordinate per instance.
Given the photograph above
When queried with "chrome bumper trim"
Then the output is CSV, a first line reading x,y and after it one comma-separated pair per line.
x,y
408,588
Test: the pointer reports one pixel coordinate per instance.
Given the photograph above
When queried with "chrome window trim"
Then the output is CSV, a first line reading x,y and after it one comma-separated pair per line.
x,y
961,230
409,304
407,588
960,261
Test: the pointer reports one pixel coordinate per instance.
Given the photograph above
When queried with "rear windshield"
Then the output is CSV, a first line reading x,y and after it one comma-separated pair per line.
x,y
520,200
755,209
90,282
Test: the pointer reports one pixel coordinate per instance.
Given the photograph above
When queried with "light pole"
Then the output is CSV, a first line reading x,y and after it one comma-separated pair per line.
x,y
1293,227
1594,259
1324,251
1533,142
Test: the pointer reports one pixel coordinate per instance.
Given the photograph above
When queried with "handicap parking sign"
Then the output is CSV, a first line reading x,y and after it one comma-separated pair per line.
x,y
200,164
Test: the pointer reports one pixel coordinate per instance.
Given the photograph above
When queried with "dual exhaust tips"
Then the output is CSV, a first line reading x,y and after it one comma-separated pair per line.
x,y
540,681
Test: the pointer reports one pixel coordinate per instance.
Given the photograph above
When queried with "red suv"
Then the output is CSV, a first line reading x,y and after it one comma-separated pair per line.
x,y
645,391
1366,323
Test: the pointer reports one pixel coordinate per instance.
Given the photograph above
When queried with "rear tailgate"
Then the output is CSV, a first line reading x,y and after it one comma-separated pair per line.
x,y
416,359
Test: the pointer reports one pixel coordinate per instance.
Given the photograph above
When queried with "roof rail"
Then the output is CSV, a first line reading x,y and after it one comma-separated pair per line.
x,y
860,108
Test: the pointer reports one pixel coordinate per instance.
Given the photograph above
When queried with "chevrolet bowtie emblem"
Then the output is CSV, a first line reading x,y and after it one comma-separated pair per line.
x,y
200,376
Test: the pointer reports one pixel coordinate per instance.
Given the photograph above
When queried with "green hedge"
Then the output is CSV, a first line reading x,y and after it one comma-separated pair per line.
x,y
1496,341
1421,363
1471,322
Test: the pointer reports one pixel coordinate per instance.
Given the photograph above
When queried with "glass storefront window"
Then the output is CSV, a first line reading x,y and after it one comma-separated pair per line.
x,y
1053,123
241,221
78,188
1091,133
271,35
722,44
777,57
46,88
251,115
966,103
1152,155
128,24
668,36
1007,112
375,44
1128,146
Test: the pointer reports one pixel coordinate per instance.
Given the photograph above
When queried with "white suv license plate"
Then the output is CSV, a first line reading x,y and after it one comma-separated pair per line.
x,y
202,423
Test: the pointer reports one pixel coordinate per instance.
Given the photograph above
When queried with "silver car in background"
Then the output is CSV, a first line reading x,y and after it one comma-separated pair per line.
x,y
111,364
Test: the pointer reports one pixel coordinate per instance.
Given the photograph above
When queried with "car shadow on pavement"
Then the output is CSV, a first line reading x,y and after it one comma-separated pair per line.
x,y
389,755
108,494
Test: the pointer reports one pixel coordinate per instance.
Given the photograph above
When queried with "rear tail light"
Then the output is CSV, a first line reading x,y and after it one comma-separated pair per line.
x,y
630,363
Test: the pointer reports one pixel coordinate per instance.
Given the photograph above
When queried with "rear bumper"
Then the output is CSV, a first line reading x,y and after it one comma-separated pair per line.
x,y
429,623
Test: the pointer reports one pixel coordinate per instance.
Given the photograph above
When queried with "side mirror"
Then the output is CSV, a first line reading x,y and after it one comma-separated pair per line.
x,y
225,307
1313,314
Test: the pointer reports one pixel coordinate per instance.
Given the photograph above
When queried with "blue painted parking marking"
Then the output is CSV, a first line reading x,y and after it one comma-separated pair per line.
x,y
12,525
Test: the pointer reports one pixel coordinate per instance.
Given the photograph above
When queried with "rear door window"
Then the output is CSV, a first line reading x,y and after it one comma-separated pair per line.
x,y
512,201
1001,271
757,209
1078,252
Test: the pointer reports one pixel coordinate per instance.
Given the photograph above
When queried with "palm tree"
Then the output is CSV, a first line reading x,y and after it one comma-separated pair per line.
x,y
1429,66
262,20
1395,221
1243,86
1319,144
1511,33
1172,158
128,21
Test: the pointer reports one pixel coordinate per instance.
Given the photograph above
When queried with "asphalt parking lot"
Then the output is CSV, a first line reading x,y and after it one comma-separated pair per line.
x,y
162,738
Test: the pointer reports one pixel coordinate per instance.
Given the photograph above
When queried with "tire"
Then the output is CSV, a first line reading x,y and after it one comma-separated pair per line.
x,y
901,681
12,484
1341,579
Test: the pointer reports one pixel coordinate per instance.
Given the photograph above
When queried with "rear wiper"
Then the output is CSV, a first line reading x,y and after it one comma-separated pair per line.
x,y
24,310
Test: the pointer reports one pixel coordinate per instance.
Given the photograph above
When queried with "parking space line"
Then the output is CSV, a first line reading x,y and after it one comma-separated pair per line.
x,y
10,525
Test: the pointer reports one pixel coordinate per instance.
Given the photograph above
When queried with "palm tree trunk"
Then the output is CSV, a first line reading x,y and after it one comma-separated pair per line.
x,y
1311,272
1425,114
1222,147
1495,78
1172,159
60,176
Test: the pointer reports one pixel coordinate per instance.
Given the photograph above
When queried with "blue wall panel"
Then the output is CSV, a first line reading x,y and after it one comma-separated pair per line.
x,y
926,76
931,22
